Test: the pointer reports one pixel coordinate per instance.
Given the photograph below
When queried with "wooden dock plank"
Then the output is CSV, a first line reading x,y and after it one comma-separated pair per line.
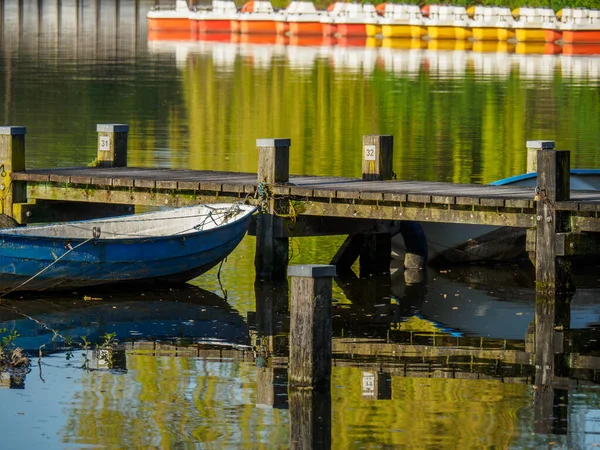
x,y
323,195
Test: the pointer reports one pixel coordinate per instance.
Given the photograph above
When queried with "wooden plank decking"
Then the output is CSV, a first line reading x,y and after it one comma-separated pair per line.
x,y
314,195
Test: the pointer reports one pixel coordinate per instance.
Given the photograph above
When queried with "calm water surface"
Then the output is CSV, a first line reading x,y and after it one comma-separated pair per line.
x,y
448,357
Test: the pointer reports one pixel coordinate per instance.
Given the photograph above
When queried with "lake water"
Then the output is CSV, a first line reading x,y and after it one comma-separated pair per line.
x,y
438,364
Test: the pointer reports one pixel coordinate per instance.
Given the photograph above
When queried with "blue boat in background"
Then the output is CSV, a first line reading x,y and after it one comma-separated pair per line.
x,y
171,246
458,243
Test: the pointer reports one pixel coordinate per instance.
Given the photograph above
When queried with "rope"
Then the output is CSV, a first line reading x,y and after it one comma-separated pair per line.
x,y
542,195
226,212
264,194
71,249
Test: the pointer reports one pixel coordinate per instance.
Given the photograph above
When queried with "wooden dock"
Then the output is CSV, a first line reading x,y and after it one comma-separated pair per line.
x,y
561,223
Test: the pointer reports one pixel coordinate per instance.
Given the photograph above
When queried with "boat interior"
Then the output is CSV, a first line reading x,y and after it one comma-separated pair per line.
x,y
171,222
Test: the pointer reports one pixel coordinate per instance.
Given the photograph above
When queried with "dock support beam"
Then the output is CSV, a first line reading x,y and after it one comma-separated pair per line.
x,y
552,271
112,145
12,159
272,250
375,254
310,325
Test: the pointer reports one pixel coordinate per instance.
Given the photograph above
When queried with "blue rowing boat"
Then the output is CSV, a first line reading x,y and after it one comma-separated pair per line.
x,y
171,246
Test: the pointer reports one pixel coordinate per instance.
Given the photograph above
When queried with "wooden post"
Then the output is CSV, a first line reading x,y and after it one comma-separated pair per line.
x,y
112,145
310,325
552,272
415,244
532,149
310,419
376,251
378,154
375,254
273,160
12,159
271,244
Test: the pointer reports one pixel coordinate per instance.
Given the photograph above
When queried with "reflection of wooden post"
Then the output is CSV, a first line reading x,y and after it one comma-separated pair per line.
x,y
271,249
272,317
552,313
532,149
310,325
552,272
310,419
271,387
112,145
376,385
378,153
12,159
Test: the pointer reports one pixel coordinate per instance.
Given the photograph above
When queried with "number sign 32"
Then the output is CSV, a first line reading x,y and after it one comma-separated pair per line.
x,y
370,152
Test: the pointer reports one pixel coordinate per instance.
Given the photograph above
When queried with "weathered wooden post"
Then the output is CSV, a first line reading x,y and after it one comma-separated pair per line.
x,y
552,272
532,149
310,419
12,159
310,325
376,249
271,248
378,154
112,145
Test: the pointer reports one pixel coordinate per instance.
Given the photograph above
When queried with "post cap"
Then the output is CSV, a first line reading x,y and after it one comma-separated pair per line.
x,y
13,131
112,128
277,142
541,145
311,270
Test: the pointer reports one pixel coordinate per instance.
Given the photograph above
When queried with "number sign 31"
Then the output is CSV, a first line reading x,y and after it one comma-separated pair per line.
x,y
104,143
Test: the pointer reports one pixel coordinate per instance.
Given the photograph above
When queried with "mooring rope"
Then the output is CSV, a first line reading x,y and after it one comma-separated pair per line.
x,y
71,249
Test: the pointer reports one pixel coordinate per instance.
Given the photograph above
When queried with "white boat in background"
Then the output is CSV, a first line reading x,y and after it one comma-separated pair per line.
x,y
300,18
217,19
577,26
448,22
462,243
172,19
402,21
491,23
256,17
533,24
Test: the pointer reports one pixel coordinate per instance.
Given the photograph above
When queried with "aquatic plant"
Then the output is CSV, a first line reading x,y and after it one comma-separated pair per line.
x,y
11,356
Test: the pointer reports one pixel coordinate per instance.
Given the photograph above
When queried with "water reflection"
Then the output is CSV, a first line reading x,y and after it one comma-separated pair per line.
x,y
400,373
186,313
